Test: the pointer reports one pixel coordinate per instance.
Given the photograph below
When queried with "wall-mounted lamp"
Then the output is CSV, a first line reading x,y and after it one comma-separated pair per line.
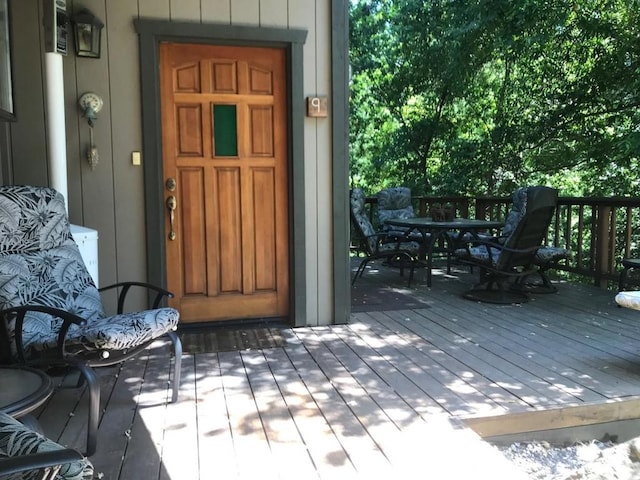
x,y
87,30
90,104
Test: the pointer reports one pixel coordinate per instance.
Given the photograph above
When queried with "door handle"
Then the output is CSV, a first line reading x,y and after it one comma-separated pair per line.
x,y
172,203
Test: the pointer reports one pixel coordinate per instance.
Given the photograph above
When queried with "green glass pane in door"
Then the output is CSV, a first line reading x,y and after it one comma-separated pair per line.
x,y
225,131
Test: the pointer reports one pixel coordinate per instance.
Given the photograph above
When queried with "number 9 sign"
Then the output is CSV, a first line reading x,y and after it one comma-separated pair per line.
x,y
316,106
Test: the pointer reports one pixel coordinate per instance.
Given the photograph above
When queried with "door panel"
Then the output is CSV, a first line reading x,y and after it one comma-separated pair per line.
x,y
224,133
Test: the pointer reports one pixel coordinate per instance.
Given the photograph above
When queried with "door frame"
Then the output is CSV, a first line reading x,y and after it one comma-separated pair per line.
x,y
151,33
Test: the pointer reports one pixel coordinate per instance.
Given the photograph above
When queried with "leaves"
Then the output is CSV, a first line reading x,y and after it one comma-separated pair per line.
x,y
476,98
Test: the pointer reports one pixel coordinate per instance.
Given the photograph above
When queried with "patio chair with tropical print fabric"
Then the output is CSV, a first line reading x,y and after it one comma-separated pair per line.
x,y
27,455
50,308
547,256
393,247
511,257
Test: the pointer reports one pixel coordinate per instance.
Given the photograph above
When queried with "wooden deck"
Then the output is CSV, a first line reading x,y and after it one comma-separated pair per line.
x,y
396,392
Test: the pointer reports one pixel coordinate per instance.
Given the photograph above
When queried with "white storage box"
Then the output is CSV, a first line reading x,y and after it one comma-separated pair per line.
x,y
87,240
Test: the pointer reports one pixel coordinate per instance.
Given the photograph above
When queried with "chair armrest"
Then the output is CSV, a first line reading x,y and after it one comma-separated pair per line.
x,y
491,244
38,461
126,287
67,318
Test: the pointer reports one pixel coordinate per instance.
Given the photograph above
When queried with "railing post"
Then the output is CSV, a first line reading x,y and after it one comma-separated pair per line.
x,y
602,242
482,208
422,206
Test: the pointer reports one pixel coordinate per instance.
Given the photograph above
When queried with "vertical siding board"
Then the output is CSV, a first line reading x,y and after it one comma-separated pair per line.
x,y
185,10
124,79
98,203
28,134
324,168
216,11
245,12
299,17
273,13
154,8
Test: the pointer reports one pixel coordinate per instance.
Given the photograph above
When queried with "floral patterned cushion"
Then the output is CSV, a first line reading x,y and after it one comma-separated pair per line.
x,y
394,202
40,264
518,209
546,255
480,254
411,247
361,217
17,440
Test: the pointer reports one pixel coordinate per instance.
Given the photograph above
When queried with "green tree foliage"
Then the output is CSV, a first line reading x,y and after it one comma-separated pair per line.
x,y
477,97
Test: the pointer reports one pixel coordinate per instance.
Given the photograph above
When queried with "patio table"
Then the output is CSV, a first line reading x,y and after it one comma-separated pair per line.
x,y
23,389
451,231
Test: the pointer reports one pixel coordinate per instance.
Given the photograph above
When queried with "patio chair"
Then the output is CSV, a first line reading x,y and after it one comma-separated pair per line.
x,y
394,247
547,257
628,265
394,202
511,257
51,310
26,454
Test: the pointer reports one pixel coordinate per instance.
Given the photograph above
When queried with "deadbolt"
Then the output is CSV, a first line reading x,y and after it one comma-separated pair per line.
x,y
171,184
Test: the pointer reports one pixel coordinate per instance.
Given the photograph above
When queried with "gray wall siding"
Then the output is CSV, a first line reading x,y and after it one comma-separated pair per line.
x,y
28,148
111,197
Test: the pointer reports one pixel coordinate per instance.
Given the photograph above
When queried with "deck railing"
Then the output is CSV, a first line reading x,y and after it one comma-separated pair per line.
x,y
599,232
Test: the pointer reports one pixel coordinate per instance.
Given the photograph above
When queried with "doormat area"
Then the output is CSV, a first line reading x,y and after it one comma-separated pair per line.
x,y
367,298
228,339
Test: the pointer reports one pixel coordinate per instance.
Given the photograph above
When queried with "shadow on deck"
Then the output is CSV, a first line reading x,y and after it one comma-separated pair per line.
x,y
391,393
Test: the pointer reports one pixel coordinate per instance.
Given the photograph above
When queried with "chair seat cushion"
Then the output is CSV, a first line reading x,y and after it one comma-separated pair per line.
x,y
546,255
17,440
129,330
629,300
118,332
479,254
411,247
384,215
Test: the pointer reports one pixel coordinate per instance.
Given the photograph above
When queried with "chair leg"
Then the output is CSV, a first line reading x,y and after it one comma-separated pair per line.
x,y
94,407
177,355
360,270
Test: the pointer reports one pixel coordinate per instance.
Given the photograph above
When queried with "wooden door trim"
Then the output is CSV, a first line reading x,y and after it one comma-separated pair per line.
x,y
151,32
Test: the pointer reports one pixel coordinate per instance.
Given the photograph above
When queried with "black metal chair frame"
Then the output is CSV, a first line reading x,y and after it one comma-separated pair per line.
x,y
86,361
628,264
516,255
47,464
543,284
399,256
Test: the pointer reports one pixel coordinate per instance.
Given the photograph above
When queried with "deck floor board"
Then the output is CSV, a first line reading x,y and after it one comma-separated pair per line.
x,y
369,398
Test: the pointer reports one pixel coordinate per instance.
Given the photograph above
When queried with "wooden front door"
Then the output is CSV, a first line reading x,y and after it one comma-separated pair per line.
x,y
224,136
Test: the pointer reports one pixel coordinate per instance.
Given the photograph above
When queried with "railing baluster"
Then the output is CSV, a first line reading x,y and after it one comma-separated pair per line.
x,y
600,238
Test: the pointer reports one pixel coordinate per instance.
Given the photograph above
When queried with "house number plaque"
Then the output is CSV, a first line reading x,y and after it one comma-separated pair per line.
x,y
317,107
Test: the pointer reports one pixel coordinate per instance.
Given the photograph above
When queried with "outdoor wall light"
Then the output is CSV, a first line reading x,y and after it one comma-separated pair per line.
x,y
87,29
90,104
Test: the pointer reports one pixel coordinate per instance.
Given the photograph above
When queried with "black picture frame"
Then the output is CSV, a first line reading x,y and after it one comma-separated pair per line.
x,y
7,106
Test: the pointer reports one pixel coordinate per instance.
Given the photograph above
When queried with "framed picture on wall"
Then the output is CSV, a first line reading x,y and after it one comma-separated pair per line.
x,y
6,78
